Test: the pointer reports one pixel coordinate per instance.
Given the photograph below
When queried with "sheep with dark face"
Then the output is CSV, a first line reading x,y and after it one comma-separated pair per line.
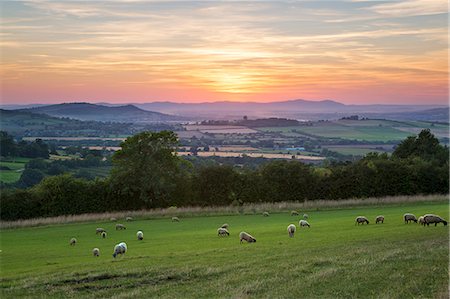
x,y
431,218
361,220
222,232
103,235
129,219
96,252
294,213
120,226
303,223
73,241
266,214
175,219
379,218
113,219
291,230
140,235
99,230
225,225
408,217
305,216
119,249
243,236
421,220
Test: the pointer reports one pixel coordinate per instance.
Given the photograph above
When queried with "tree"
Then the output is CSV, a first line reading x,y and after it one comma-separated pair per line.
x,y
146,169
7,145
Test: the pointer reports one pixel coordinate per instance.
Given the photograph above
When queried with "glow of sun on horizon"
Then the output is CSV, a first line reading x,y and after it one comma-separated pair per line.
x,y
122,51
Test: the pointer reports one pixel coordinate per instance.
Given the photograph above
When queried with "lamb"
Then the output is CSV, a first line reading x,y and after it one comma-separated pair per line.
x,y
140,235
379,218
120,248
99,230
291,230
113,219
120,226
361,219
103,235
305,216
96,252
222,232
73,241
409,217
431,218
294,213
129,219
421,220
225,225
302,223
266,214
243,236
175,219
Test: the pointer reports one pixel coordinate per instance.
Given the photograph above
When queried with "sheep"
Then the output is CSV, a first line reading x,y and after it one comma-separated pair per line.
x,y
294,213
361,219
409,217
120,248
99,230
113,219
73,241
129,219
222,232
96,252
265,214
431,218
379,218
120,226
302,223
305,216
421,220
103,235
175,219
140,235
291,230
225,225
243,236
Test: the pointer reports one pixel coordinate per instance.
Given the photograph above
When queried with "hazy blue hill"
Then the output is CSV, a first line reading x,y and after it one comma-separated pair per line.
x,y
87,111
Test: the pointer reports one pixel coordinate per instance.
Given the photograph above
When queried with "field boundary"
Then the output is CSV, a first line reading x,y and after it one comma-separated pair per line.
x,y
246,209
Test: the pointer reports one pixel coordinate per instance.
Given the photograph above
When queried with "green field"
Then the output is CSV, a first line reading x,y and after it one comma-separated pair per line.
x,y
332,259
16,166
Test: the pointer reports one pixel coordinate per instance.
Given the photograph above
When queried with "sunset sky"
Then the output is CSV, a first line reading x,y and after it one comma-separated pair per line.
x,y
355,52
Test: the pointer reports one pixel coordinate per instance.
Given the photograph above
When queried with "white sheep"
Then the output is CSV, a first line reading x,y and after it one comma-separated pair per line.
x,y
408,217
113,219
73,241
421,220
129,219
99,230
305,216
103,235
361,220
225,225
120,226
96,252
175,219
243,236
303,223
291,230
120,248
379,218
221,231
294,213
431,218
266,214
140,235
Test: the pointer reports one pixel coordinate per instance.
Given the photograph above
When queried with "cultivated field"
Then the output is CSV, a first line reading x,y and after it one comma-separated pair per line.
x,y
332,259
12,169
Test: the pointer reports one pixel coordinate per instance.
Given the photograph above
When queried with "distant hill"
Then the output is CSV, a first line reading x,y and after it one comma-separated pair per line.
x,y
87,111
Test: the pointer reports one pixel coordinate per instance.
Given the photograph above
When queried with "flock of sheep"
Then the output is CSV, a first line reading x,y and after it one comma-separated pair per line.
x,y
222,231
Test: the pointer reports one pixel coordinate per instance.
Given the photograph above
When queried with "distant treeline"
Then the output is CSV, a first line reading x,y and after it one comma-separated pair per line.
x,y
146,174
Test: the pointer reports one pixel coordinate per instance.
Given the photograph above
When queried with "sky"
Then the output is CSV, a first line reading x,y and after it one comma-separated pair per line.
x,y
351,51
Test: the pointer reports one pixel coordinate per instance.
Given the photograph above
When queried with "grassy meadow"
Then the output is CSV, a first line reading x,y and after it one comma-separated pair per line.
x,y
333,258
12,169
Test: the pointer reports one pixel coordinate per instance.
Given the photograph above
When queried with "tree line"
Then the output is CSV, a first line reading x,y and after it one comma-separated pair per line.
x,y
147,174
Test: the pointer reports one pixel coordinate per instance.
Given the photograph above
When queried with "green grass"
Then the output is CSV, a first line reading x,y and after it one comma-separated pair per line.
x,y
16,166
334,258
353,150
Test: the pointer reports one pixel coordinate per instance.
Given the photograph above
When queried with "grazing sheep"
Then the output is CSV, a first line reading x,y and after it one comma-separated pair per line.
x,y
113,219
99,230
409,217
305,216
266,214
222,232
129,219
361,219
140,235
120,248
175,219
243,236
103,235
96,252
225,225
303,223
421,220
431,218
294,213
380,218
120,226
73,241
291,230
